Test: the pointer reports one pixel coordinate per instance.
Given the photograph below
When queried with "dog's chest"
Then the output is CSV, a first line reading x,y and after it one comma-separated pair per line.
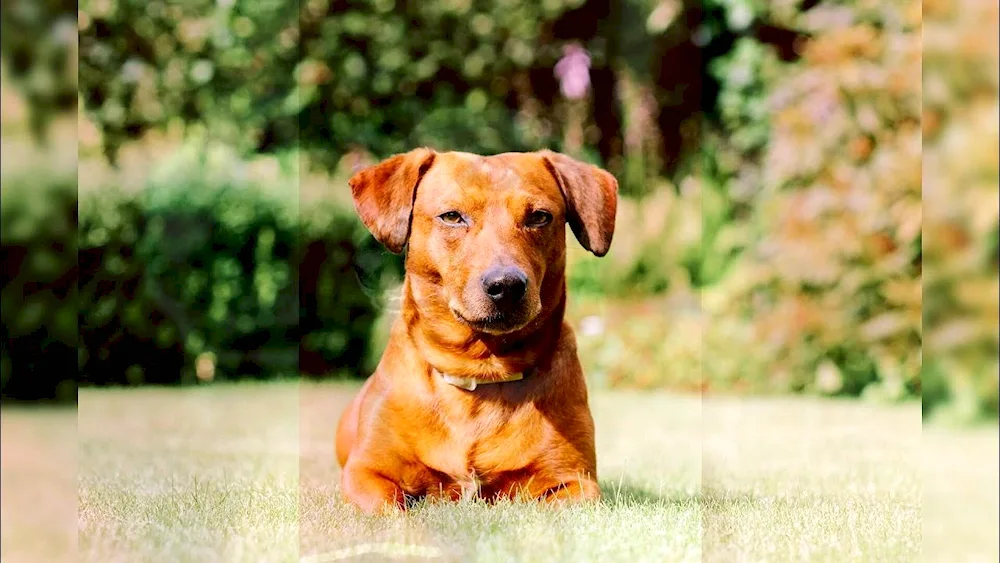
x,y
476,450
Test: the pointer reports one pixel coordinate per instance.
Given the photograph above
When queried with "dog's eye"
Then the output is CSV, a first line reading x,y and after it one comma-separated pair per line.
x,y
539,218
452,218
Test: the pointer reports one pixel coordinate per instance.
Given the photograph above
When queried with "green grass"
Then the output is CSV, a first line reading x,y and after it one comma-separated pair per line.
x,y
246,473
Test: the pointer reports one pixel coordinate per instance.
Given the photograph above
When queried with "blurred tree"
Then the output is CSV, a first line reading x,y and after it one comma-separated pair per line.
x,y
960,162
332,75
38,48
38,300
832,276
687,38
384,75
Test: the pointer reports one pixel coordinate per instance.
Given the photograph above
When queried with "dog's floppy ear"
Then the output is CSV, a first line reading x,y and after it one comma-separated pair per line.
x,y
383,195
591,196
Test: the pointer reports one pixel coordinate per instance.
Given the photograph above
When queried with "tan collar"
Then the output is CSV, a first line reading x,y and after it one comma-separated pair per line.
x,y
470,383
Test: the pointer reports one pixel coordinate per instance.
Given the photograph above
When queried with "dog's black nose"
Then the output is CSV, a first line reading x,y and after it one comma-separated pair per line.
x,y
506,285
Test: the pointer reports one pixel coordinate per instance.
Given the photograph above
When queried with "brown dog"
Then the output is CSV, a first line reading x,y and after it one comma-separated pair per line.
x,y
479,391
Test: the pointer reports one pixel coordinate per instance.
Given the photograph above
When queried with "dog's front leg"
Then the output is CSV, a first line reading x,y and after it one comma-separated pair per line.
x,y
576,490
369,490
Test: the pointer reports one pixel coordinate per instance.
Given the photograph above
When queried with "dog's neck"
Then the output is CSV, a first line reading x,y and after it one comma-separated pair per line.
x,y
452,347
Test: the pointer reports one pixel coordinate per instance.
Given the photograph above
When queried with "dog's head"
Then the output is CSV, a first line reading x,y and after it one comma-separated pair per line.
x,y
485,236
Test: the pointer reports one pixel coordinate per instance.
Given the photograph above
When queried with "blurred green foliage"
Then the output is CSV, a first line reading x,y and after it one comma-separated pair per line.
x,y
181,282
38,47
320,75
330,76
961,194
243,280
39,338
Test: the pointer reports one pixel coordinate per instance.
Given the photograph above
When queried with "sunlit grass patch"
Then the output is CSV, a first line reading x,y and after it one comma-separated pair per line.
x,y
246,473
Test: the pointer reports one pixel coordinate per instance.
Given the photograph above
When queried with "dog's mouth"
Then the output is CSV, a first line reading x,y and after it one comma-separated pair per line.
x,y
496,323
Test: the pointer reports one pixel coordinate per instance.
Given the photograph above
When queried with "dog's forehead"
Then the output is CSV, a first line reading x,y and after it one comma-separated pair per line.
x,y
497,173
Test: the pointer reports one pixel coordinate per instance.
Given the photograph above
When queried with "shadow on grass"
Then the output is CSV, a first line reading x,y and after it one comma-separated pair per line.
x,y
614,494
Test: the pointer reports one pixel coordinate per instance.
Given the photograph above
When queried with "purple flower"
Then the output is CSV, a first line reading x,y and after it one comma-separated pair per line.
x,y
573,72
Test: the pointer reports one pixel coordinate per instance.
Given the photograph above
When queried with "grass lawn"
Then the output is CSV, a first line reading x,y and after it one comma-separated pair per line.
x,y
246,473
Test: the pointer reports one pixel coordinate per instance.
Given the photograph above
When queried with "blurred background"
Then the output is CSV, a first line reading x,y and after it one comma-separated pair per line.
x,y
810,187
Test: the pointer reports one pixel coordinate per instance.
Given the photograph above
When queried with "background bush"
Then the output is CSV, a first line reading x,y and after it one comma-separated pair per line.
x,y
831,279
233,277
961,172
322,75
182,282
38,218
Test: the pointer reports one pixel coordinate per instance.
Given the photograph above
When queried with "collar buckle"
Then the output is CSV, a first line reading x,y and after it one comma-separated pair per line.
x,y
470,383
